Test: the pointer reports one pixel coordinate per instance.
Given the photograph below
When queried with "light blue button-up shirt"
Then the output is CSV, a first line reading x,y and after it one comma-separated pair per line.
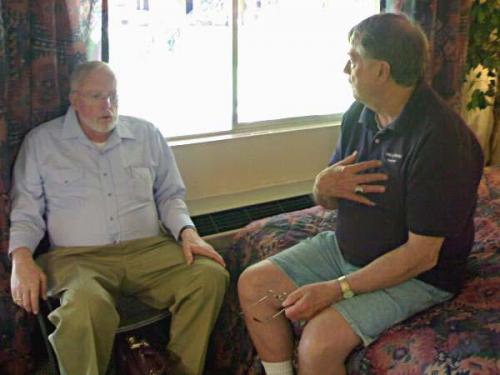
x,y
84,195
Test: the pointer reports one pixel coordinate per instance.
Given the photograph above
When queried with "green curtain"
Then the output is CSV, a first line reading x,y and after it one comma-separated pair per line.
x,y
40,43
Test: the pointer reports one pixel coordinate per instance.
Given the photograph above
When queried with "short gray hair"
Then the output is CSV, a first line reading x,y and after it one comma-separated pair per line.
x,y
396,39
83,70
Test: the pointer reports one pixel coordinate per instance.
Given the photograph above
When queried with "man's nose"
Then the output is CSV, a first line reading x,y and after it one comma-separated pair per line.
x,y
347,67
107,102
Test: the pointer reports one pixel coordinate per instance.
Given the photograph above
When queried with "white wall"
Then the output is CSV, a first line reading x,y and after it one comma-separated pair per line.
x,y
242,169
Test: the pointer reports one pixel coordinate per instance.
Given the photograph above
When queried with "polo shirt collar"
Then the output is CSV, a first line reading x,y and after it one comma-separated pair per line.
x,y
412,109
367,118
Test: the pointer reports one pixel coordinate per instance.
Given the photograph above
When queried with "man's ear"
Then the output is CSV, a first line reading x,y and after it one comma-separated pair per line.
x,y
384,71
73,99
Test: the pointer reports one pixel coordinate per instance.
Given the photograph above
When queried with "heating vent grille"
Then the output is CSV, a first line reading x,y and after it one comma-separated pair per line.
x,y
223,221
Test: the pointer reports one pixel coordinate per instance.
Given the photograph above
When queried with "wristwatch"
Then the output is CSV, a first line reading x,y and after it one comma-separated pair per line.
x,y
345,287
182,230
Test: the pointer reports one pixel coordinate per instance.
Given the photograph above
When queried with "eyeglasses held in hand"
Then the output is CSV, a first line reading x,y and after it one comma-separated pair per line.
x,y
271,295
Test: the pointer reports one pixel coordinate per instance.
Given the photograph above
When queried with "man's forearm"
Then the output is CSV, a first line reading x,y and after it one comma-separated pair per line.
x,y
174,215
21,254
188,232
24,235
397,266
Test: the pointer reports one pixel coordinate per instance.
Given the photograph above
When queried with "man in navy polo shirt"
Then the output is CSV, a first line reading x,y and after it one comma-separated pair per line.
x,y
403,178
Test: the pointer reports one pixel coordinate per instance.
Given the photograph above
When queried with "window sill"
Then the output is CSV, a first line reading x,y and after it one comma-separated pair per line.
x,y
234,170
248,132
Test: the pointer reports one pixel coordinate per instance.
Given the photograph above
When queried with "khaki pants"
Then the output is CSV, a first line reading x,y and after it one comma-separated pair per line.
x,y
89,279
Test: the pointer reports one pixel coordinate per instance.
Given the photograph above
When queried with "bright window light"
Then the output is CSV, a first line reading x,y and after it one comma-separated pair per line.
x,y
174,60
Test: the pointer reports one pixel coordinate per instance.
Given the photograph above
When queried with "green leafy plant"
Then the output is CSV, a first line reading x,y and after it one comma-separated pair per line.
x,y
484,50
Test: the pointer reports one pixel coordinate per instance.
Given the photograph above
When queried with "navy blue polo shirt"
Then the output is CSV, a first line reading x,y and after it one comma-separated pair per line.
x,y
434,164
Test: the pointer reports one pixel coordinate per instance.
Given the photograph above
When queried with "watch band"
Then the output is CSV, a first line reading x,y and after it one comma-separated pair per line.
x,y
345,287
179,238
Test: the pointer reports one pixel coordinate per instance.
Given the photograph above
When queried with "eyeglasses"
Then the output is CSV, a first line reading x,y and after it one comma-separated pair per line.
x,y
97,97
270,295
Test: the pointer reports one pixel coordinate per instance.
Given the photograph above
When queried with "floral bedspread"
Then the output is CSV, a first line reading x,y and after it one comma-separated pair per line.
x,y
459,337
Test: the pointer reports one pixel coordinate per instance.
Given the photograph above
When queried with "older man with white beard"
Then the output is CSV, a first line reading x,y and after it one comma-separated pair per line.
x,y
100,185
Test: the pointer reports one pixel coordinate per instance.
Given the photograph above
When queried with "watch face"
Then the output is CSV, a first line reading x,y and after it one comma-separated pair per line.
x,y
348,294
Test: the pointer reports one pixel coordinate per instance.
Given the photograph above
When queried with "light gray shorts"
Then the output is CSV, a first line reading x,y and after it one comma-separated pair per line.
x,y
319,259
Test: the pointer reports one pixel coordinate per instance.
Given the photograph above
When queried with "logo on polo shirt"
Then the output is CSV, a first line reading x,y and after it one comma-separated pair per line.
x,y
392,157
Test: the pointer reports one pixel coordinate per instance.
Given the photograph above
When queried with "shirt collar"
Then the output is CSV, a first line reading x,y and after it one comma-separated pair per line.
x,y
72,129
123,128
367,118
412,110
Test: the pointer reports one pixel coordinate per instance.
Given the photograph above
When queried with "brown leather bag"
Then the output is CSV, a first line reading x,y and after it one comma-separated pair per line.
x,y
137,357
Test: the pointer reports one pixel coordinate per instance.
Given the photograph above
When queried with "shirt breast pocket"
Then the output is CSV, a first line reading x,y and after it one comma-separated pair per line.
x,y
141,183
64,188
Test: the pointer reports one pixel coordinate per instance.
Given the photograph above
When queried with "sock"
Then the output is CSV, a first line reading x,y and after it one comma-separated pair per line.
x,y
278,368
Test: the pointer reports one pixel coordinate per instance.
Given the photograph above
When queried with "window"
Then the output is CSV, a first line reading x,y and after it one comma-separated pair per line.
x,y
185,66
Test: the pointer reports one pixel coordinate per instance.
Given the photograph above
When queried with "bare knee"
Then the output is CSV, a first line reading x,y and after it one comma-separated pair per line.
x,y
314,349
259,278
326,342
249,282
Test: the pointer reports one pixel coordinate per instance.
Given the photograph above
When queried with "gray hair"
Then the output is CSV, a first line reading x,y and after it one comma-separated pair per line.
x,y
396,39
83,70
